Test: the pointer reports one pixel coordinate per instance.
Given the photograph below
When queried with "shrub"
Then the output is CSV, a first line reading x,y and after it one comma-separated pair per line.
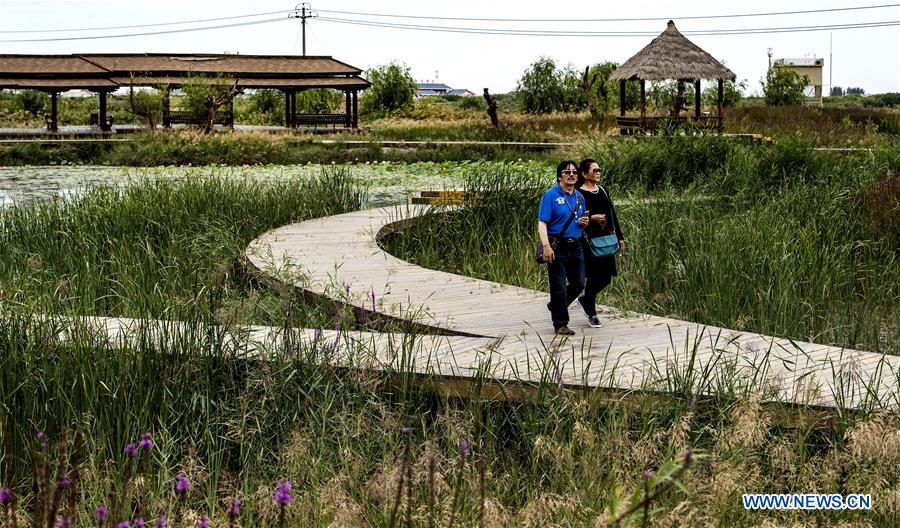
x,y
393,88
882,208
472,103
783,86
33,102
544,89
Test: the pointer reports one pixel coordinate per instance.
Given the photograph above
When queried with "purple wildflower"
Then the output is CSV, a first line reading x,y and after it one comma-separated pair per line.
x,y
123,524
102,513
182,484
140,523
64,483
161,523
283,493
464,447
337,331
288,313
317,334
131,450
687,455
43,439
557,377
204,521
5,495
146,442
647,473
347,290
64,522
235,509
405,430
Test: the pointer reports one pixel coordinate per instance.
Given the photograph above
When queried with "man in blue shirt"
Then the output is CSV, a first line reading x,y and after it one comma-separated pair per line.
x,y
561,217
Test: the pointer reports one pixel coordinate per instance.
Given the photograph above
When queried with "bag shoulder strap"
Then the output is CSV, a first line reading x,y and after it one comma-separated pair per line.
x,y
612,216
572,217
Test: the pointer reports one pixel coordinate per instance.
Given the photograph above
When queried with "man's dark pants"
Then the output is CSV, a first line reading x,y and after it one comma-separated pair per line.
x,y
568,265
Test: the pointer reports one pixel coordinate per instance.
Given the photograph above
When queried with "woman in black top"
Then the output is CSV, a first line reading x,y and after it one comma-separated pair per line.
x,y
598,270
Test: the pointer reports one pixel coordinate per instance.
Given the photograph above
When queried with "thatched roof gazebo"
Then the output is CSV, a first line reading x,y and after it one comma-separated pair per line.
x,y
670,56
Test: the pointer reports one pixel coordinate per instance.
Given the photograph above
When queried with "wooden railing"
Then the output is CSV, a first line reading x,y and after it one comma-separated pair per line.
x,y
653,123
315,120
184,117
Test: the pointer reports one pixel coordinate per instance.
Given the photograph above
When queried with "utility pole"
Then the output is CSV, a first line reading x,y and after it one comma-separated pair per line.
x,y
303,11
770,58
830,61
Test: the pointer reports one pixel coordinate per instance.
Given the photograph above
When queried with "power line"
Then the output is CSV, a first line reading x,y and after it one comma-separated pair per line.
x,y
561,33
196,21
639,19
163,32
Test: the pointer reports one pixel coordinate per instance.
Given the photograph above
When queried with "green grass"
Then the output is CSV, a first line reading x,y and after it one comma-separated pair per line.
x,y
774,241
159,247
235,424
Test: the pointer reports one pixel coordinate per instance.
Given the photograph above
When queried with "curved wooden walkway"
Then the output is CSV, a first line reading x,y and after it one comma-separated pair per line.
x,y
504,332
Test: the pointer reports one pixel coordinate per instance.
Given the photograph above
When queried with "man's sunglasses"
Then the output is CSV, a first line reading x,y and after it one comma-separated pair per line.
x,y
569,172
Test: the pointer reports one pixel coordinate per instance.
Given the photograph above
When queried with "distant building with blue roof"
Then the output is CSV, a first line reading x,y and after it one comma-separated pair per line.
x,y
428,89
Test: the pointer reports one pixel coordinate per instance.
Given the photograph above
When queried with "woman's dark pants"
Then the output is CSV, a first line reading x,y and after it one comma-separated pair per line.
x,y
598,277
567,266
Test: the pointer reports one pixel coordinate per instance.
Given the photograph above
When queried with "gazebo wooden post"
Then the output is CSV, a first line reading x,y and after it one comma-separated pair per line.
x,y
230,122
293,108
167,108
102,114
355,109
643,101
721,102
348,109
54,114
287,108
622,97
697,100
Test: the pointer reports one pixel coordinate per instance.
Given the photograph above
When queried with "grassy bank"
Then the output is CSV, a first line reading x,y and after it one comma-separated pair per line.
x,y
436,120
235,425
780,241
158,247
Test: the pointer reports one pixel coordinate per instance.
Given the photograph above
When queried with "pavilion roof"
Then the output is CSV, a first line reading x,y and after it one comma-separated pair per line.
x,y
672,56
109,71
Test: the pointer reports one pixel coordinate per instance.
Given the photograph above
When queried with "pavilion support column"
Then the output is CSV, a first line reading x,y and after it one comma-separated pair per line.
x,y
697,99
643,100
287,108
103,124
355,109
167,109
54,112
293,107
348,109
622,97
721,101
230,122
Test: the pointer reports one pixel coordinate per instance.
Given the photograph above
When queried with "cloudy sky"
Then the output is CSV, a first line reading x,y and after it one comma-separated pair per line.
x,y
865,57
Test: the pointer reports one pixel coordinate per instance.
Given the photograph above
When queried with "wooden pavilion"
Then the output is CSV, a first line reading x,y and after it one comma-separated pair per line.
x,y
105,73
670,56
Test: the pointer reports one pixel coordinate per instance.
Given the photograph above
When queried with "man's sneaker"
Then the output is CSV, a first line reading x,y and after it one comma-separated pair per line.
x,y
595,322
564,330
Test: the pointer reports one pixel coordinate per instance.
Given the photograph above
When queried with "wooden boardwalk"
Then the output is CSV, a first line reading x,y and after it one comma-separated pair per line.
x,y
505,331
